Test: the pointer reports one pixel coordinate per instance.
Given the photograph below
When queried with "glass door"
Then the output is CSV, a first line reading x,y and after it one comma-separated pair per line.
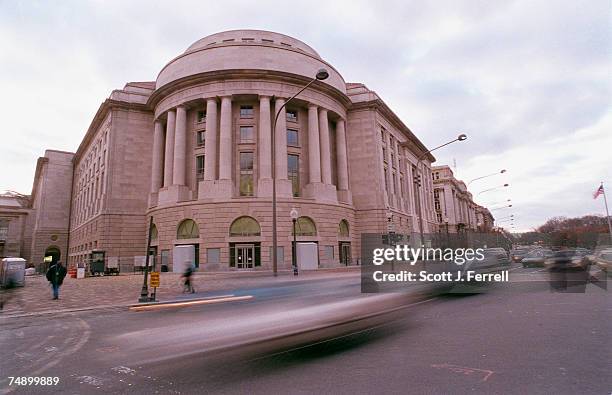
x,y
245,256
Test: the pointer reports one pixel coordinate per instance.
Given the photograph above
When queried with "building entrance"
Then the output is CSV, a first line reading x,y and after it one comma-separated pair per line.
x,y
245,256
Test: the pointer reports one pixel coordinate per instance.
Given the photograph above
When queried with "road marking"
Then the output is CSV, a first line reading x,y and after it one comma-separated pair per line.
x,y
190,303
465,370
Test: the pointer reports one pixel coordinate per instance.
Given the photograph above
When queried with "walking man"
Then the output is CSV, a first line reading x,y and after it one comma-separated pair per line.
x,y
56,275
187,274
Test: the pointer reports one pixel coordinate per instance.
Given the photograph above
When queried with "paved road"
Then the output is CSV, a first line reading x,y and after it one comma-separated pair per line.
x,y
516,338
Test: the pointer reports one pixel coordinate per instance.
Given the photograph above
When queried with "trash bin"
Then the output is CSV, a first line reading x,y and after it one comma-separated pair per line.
x,y
12,270
164,268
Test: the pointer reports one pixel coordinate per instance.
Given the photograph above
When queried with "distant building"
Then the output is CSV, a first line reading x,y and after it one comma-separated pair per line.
x,y
454,206
36,226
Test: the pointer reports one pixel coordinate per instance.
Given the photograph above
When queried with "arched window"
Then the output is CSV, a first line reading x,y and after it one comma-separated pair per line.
x,y
188,229
245,226
153,233
343,228
305,227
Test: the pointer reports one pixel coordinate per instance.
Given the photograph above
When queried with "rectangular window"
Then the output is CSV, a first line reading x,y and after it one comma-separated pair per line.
x,y
4,230
201,117
200,138
386,181
292,137
384,154
246,134
292,115
213,255
200,167
246,111
394,177
293,172
246,174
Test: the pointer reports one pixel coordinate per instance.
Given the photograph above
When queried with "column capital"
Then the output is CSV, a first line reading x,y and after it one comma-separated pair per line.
x,y
312,105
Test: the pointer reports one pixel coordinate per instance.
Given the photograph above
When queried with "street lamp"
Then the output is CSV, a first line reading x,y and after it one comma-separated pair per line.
x,y
500,208
494,188
321,75
294,217
493,204
461,137
488,175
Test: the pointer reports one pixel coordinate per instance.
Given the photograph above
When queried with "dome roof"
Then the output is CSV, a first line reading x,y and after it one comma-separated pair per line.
x,y
251,37
248,50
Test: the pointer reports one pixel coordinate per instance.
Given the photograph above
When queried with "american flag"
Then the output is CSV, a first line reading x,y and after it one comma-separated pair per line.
x,y
598,192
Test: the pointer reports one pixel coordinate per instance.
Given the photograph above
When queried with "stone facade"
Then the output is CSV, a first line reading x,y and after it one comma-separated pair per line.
x,y
193,151
454,206
15,225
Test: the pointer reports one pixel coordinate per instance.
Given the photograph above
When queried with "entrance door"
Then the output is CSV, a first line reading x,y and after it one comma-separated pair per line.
x,y
345,253
245,256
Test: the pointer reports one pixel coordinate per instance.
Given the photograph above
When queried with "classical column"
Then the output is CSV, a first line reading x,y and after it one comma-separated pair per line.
x,y
341,156
169,153
210,144
281,140
180,146
314,153
157,166
390,183
325,151
225,140
264,143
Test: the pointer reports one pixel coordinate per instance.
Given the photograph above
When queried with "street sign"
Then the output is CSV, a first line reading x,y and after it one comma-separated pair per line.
x,y
154,283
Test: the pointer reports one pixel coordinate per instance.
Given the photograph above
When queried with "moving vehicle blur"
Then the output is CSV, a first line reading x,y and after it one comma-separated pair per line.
x,y
498,253
536,257
603,260
569,259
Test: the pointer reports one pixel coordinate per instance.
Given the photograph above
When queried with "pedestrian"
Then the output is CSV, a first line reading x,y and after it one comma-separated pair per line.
x,y
56,275
187,274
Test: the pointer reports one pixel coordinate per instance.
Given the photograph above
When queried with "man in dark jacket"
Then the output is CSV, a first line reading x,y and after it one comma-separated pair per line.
x,y
55,275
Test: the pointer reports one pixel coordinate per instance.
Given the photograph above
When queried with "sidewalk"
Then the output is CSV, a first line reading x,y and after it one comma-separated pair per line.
x,y
123,291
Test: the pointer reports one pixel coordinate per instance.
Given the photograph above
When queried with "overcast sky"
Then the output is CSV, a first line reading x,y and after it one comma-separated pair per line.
x,y
528,81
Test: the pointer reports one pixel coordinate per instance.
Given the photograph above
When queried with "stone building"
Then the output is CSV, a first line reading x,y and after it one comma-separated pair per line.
x,y
15,225
454,206
36,226
484,219
192,151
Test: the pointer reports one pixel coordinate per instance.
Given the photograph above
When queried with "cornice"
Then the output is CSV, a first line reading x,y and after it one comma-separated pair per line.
x,y
101,114
382,107
238,74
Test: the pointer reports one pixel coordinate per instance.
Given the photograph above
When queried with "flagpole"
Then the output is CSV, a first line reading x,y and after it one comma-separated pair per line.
x,y
607,212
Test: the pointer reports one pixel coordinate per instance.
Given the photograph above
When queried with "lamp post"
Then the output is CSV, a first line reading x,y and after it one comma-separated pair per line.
x,y
417,181
488,175
321,75
494,188
294,217
144,291
447,235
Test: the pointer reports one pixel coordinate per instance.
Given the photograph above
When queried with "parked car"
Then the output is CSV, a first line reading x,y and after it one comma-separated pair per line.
x,y
517,254
536,257
569,259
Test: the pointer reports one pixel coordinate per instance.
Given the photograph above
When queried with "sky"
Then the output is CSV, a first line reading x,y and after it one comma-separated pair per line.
x,y
527,81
